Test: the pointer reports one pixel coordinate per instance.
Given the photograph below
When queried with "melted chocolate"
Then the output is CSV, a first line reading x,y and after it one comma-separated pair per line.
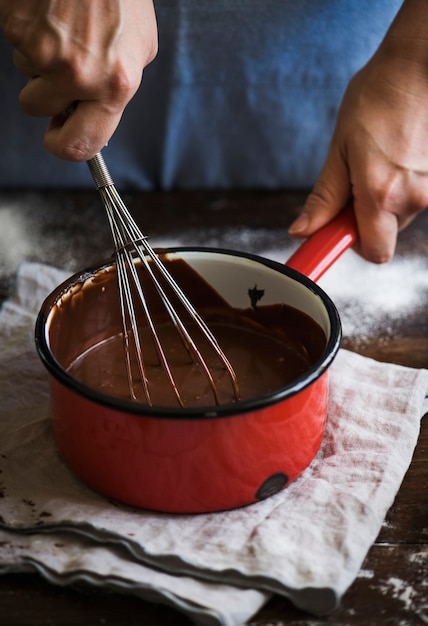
x,y
268,346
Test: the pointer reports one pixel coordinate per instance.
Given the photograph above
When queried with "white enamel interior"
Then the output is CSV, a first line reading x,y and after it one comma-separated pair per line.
x,y
232,277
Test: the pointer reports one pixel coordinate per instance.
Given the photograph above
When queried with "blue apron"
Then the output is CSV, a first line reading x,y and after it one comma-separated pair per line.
x,y
242,94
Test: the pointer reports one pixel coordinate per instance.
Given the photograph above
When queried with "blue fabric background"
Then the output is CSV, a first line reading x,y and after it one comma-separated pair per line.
x,y
242,94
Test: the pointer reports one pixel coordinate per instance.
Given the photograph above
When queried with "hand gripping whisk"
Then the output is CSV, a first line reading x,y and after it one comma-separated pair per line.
x,y
131,246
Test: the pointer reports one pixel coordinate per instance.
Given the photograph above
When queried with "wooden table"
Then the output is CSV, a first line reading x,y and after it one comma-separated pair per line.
x,y
69,230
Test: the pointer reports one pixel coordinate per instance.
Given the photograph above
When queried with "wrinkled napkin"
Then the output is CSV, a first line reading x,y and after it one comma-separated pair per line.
x,y
306,542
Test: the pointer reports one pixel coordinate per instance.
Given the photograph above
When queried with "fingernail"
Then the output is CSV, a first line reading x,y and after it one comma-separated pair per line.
x,y
299,225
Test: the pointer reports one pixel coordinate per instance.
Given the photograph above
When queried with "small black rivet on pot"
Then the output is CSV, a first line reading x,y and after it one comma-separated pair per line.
x,y
271,485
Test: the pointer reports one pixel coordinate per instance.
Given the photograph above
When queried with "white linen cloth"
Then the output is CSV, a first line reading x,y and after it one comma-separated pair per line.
x,y
306,542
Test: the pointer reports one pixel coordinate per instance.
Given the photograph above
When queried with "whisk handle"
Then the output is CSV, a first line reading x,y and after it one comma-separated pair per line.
x,y
100,172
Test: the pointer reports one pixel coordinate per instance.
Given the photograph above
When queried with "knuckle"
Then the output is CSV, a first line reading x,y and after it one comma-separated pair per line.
x,y
385,196
116,86
323,193
121,84
13,29
153,50
39,51
420,199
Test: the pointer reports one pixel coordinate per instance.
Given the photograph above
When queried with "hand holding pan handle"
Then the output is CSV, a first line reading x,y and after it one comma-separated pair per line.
x,y
319,251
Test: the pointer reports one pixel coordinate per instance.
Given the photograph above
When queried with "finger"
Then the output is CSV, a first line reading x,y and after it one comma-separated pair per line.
x,y
377,229
14,24
24,65
329,195
40,98
384,207
83,134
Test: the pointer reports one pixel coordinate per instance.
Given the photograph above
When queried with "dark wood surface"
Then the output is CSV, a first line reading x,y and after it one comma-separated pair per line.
x,y
69,230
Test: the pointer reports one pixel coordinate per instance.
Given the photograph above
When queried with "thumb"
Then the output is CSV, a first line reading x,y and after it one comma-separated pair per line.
x,y
329,195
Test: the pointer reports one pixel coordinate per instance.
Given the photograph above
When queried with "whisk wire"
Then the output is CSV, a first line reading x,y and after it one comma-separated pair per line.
x,y
125,267
128,317
130,244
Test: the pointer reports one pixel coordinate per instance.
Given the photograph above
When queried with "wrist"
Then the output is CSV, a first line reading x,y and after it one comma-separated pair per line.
x,y
407,38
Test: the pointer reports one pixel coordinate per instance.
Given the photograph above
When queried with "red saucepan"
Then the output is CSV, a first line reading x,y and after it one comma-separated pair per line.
x,y
197,459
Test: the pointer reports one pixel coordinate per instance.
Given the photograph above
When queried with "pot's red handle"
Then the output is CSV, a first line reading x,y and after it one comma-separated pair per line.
x,y
319,251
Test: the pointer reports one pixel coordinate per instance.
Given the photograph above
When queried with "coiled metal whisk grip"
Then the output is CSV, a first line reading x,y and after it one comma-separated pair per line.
x,y
100,172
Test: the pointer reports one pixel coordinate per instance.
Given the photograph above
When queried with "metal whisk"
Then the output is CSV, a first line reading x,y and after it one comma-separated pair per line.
x,y
131,245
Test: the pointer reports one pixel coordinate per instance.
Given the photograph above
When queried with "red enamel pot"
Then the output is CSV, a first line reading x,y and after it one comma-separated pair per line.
x,y
197,459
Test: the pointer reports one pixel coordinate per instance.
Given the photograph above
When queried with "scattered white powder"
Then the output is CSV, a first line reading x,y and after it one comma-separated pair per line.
x,y
387,524
310,622
391,288
420,559
399,590
15,243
